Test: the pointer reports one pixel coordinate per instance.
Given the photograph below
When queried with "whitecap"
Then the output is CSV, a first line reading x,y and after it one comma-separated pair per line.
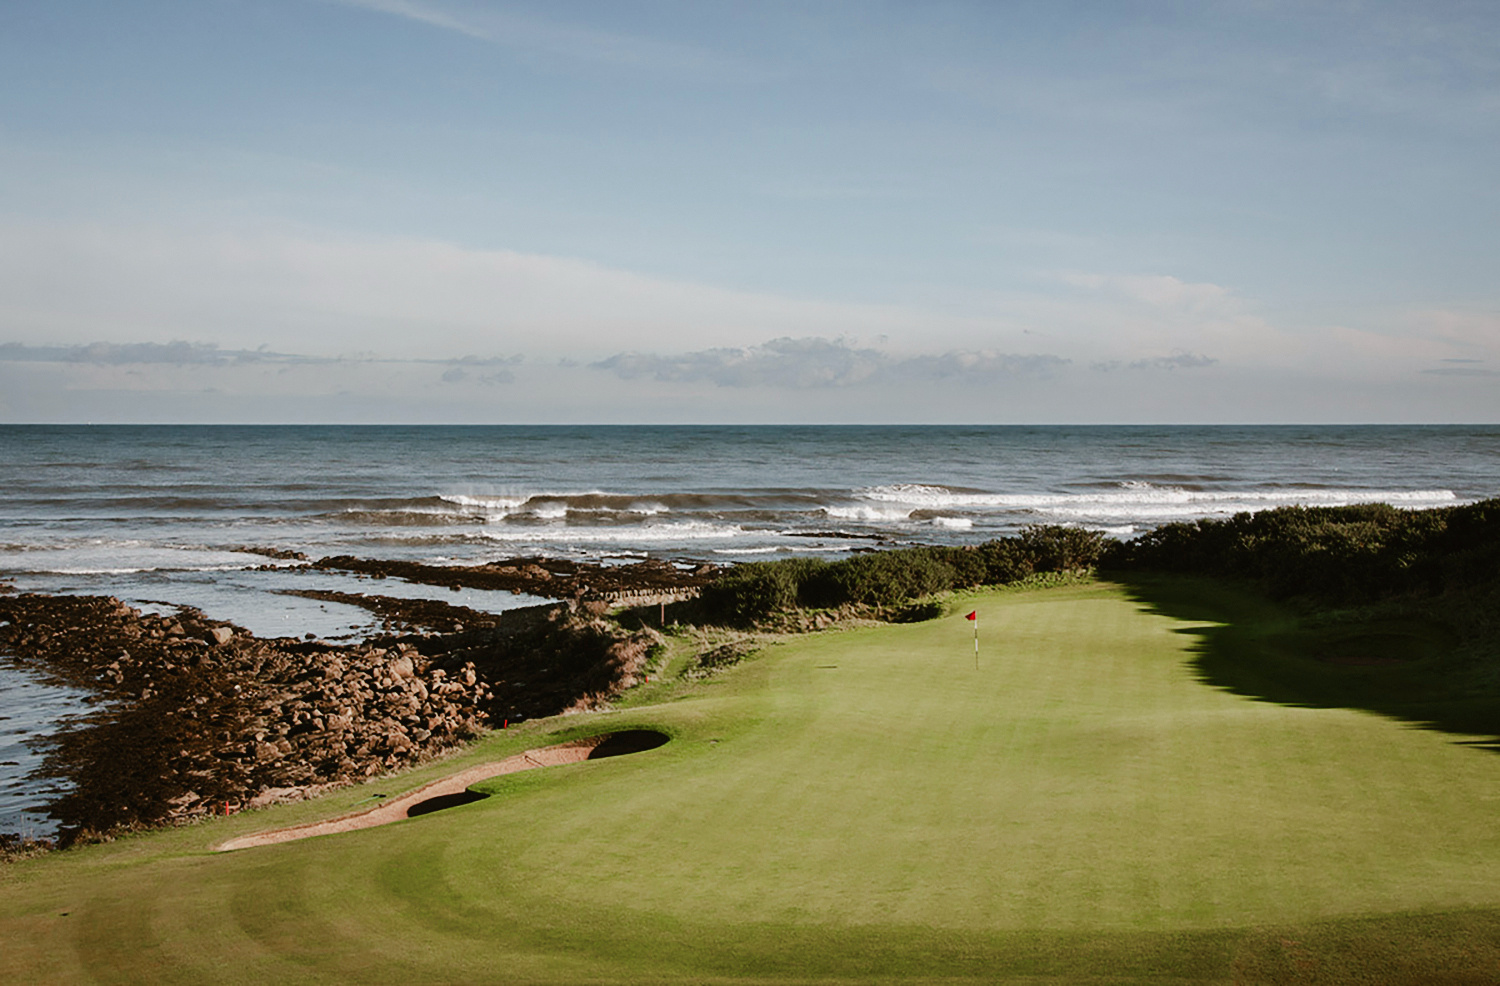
x,y
868,513
686,531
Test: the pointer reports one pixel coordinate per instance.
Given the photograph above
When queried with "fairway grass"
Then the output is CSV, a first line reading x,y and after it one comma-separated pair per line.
x,y
855,805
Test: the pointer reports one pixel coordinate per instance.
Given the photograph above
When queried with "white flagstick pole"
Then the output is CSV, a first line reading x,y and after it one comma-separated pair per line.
x,y
976,640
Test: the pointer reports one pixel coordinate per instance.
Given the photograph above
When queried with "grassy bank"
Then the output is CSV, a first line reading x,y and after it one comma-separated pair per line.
x,y
856,805
1398,610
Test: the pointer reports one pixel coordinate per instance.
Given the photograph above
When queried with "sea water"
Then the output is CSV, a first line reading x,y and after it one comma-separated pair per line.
x,y
164,516
172,515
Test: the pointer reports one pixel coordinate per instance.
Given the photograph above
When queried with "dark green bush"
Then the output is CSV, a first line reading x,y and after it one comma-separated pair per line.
x,y
1052,548
752,592
1005,561
1336,554
885,578
921,612
968,564
888,579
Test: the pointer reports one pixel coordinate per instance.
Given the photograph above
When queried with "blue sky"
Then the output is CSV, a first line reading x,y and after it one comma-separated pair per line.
x,y
458,210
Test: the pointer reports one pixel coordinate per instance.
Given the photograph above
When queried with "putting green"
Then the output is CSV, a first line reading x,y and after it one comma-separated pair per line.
x,y
855,805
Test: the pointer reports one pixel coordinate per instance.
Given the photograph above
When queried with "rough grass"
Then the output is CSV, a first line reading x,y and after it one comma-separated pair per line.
x,y
858,805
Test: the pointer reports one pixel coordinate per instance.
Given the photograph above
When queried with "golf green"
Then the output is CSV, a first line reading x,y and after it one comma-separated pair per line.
x,y
854,805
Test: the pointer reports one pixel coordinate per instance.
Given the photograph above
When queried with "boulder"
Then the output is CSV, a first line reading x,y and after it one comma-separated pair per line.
x,y
273,795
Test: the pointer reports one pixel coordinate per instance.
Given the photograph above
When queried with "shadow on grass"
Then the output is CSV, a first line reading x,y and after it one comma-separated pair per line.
x,y
617,744
1403,667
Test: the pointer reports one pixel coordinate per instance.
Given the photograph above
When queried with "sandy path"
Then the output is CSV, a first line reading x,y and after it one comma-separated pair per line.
x,y
395,809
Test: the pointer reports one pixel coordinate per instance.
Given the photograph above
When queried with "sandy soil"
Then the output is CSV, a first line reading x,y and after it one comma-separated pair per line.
x,y
396,809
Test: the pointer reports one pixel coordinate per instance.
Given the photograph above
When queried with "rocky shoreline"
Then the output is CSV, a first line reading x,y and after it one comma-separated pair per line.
x,y
198,716
546,577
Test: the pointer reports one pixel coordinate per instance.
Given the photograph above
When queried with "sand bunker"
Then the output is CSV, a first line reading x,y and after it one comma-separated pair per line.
x,y
453,790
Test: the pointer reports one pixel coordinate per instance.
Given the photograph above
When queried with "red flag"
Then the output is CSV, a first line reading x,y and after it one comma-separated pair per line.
x,y
973,616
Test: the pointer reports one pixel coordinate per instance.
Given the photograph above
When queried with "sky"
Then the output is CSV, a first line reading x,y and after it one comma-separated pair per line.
x,y
627,211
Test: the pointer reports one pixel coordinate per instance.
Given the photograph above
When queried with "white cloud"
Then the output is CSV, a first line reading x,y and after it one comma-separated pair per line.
x,y
815,363
1465,332
1461,371
425,13
279,320
508,29
1177,361
1161,291
315,294
180,353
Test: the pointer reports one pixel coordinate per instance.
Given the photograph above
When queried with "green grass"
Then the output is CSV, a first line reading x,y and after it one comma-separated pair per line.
x,y
854,806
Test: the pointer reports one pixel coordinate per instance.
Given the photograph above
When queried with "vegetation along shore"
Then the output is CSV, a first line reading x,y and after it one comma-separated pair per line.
x,y
1076,807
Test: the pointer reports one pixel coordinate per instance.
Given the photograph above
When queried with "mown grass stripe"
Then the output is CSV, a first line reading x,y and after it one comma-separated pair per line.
x,y
1082,806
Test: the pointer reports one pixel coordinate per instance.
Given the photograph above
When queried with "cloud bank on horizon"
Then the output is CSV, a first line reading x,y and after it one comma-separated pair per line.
x,y
471,211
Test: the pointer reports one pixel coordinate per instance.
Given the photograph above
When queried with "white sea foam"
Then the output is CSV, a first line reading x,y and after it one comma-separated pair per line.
x,y
544,505
1145,500
867,513
484,502
787,549
953,523
687,531
102,557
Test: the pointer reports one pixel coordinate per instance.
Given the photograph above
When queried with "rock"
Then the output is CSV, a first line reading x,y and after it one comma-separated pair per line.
x,y
219,636
274,795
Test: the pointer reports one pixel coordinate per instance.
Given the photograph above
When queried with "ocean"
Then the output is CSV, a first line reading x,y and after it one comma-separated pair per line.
x,y
164,516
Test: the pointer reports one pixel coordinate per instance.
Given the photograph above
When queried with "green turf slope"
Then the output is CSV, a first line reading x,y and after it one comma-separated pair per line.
x,y
854,806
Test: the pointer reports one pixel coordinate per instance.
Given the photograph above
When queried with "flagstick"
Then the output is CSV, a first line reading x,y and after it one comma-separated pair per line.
x,y
976,641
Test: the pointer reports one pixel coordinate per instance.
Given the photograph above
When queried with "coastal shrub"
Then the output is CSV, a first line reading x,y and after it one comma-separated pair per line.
x,y
968,564
920,612
719,659
1054,548
886,580
750,592
1335,554
1005,561
755,590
